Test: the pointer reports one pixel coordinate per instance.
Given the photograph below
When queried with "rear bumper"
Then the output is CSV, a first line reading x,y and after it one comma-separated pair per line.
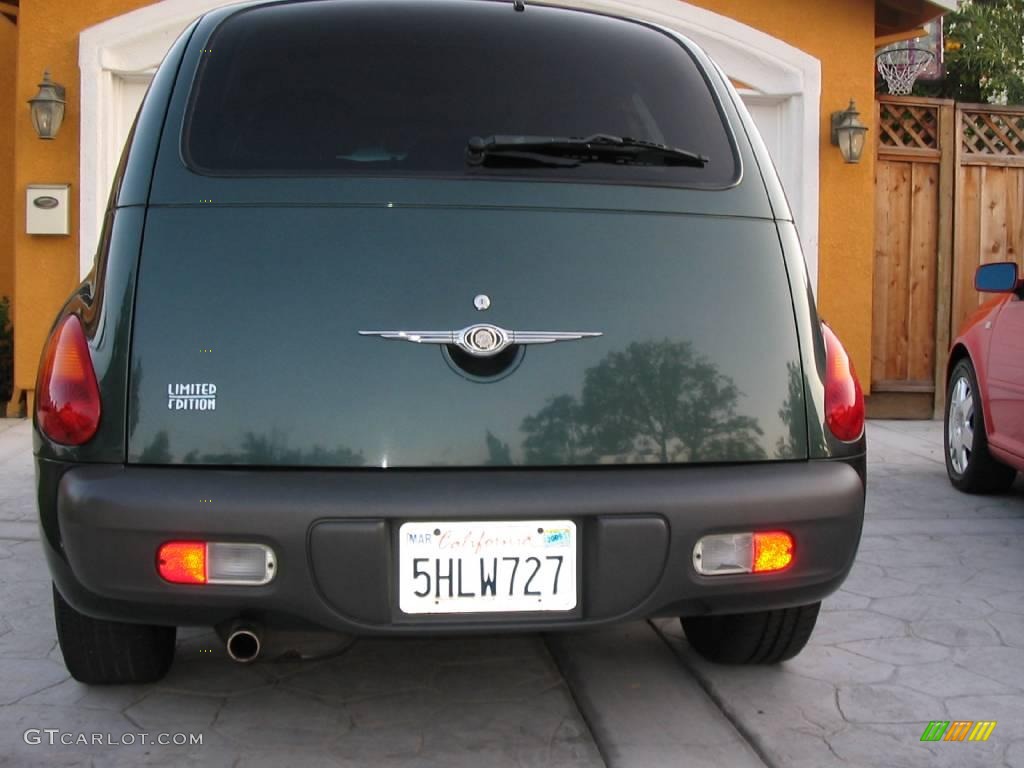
x,y
334,535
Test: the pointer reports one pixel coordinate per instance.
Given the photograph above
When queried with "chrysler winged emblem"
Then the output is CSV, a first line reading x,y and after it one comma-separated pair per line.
x,y
482,340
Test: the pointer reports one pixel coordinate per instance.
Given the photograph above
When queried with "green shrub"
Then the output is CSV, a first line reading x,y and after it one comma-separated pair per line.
x,y
6,351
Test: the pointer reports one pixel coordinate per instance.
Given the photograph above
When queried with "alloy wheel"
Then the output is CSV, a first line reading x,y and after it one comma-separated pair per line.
x,y
961,424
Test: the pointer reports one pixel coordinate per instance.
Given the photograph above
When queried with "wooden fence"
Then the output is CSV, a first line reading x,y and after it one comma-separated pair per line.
x,y
949,195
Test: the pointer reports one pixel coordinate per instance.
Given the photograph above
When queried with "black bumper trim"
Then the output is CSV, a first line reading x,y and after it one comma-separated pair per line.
x,y
638,527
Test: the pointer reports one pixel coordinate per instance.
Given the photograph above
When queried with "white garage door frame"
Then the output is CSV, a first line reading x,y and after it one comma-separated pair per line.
x,y
117,54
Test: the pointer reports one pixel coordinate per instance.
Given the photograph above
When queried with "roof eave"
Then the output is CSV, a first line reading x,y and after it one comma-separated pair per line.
x,y
895,16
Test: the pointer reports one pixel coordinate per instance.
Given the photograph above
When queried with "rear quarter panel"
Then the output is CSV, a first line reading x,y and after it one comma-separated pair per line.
x,y
820,441
105,299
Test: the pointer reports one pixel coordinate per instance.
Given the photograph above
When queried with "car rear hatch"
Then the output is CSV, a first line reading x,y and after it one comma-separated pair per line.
x,y
247,345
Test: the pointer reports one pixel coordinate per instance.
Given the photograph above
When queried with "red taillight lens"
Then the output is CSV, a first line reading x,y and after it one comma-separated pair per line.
x,y
182,562
67,398
844,400
773,551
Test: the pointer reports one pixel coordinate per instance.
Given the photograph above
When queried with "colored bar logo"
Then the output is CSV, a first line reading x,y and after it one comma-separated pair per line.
x,y
958,730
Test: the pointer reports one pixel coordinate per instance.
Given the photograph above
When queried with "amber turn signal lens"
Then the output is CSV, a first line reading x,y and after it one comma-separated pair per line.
x,y
773,551
182,562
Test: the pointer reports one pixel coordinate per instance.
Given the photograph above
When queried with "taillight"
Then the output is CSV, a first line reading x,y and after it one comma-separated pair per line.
x,y
67,398
726,554
844,400
182,562
216,562
773,551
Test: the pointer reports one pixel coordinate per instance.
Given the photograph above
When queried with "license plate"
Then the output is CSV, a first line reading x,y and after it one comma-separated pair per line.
x,y
487,567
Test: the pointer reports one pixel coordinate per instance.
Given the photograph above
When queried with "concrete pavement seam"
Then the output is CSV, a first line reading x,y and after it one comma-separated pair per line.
x,y
580,708
745,733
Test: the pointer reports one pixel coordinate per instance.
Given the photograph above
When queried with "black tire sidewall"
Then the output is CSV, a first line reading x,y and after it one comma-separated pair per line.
x,y
759,637
101,652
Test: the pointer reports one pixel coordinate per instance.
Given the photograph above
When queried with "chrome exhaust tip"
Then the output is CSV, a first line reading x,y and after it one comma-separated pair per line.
x,y
243,644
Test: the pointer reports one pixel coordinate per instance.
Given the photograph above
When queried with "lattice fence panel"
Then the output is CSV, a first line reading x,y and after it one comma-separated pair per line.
x,y
993,133
908,126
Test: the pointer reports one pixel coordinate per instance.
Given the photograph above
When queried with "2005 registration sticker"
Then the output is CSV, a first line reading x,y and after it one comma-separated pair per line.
x,y
487,567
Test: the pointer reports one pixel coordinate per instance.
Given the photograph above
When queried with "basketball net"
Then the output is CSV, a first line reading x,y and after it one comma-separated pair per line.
x,y
900,67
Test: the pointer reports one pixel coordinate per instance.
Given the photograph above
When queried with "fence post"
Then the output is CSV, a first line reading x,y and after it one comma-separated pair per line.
x,y
949,144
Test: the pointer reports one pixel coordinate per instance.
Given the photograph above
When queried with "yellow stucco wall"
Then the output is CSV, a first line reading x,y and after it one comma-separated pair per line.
x,y
840,34
8,60
46,268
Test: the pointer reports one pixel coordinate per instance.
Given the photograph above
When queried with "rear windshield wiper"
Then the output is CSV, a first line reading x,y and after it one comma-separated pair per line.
x,y
569,152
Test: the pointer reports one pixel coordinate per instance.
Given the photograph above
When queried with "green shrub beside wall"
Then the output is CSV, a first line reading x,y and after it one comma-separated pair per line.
x,y
6,353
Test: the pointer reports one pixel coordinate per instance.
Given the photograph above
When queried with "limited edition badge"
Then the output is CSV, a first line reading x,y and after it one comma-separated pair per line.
x,y
192,397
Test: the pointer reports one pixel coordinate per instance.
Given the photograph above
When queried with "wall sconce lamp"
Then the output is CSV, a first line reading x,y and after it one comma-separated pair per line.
x,y
848,133
48,108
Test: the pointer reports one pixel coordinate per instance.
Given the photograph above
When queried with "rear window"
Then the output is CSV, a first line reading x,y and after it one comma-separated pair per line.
x,y
398,88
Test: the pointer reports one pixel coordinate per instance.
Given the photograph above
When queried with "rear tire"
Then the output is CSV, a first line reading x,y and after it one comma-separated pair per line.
x,y
969,464
762,637
99,652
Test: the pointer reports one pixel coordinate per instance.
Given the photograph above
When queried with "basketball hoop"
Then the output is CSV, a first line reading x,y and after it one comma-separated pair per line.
x,y
900,67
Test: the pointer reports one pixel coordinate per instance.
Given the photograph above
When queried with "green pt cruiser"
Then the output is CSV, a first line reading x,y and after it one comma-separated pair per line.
x,y
441,317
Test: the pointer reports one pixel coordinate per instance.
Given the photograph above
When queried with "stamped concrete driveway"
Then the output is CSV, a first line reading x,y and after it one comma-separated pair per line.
x,y
930,626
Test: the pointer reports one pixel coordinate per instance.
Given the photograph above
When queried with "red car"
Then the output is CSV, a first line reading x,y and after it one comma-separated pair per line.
x,y
985,397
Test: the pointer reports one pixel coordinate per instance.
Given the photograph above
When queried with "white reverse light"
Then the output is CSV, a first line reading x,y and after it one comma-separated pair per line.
x,y
234,563
723,554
